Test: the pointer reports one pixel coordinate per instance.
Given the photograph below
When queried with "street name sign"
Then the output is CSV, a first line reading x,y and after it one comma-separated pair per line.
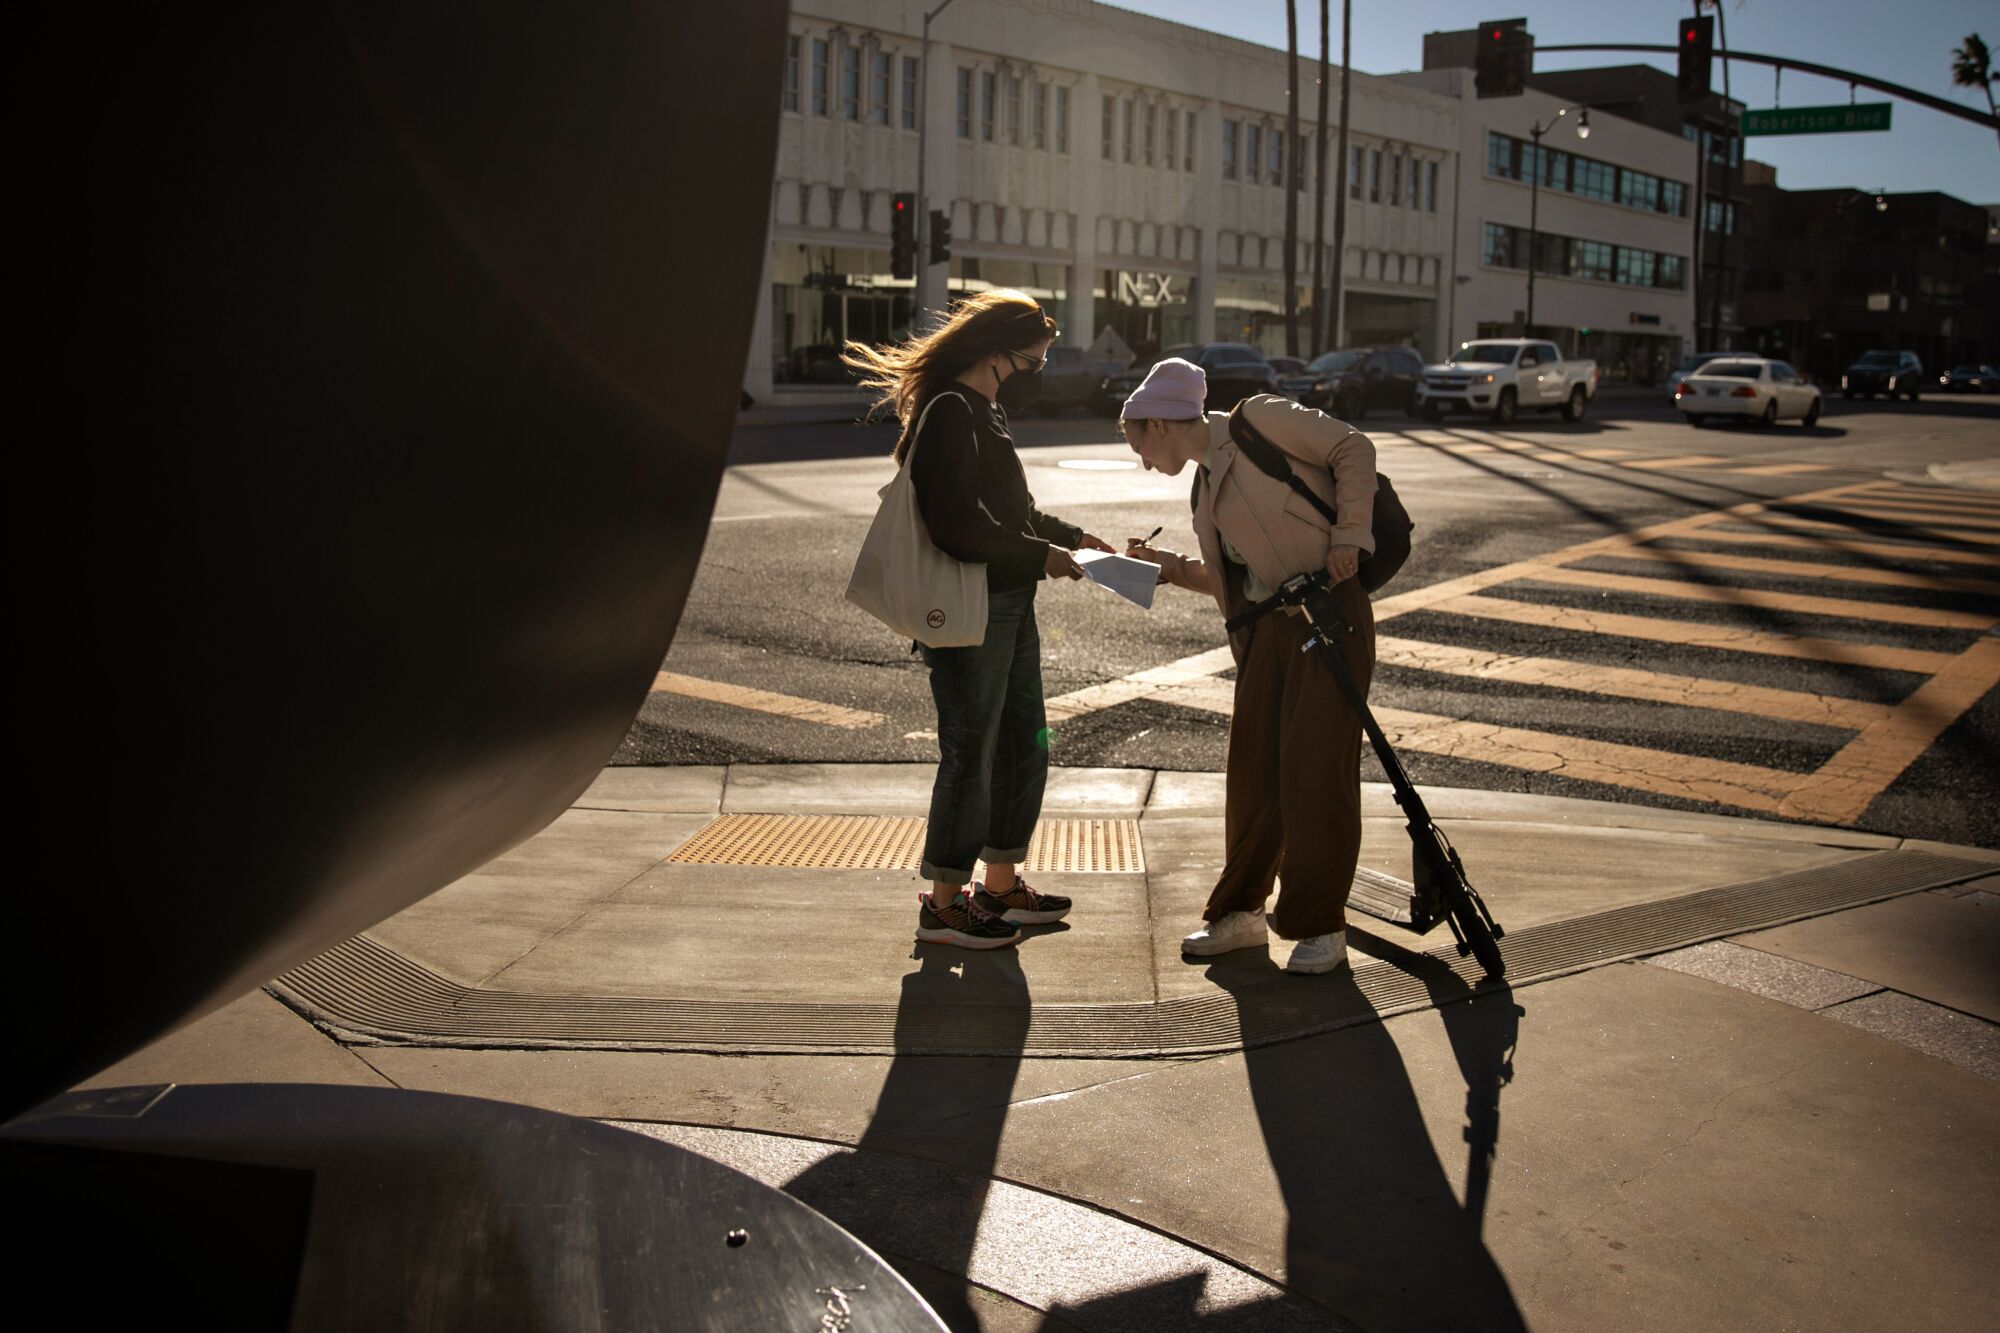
x,y
1817,119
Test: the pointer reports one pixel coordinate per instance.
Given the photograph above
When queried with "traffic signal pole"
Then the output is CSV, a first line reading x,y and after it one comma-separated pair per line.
x,y
922,296
1726,215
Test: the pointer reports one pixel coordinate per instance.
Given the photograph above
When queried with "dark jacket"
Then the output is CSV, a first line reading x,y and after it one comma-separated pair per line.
x,y
974,495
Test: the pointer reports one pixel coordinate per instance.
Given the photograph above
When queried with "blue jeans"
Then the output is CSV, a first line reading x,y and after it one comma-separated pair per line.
x,y
993,755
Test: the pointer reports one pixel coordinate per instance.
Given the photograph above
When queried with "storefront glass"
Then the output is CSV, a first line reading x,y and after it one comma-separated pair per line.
x,y
1252,310
1047,283
1404,321
821,296
1150,310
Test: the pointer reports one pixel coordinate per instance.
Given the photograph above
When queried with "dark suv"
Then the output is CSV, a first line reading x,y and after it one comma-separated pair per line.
x,y
1348,384
1235,371
1889,373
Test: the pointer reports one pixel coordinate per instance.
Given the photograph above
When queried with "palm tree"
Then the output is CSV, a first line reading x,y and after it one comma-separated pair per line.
x,y
1319,334
1972,67
1292,159
1339,256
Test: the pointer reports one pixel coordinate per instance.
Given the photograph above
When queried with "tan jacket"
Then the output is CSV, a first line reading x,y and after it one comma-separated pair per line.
x,y
1277,531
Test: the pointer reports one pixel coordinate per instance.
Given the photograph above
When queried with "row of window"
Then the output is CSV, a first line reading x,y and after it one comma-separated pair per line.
x,y
1514,159
1012,110
848,98
1392,176
1721,215
1147,134
1594,261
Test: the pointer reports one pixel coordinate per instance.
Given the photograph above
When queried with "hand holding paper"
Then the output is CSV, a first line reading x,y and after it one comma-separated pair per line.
x,y
1134,580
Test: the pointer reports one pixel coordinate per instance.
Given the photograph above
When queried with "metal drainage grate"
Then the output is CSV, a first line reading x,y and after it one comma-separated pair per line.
x,y
366,992
879,842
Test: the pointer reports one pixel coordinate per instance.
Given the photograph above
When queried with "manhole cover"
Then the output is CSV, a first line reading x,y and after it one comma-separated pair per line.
x,y
878,842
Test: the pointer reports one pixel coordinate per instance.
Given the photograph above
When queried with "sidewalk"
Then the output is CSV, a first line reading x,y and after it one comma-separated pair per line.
x,y
1741,1074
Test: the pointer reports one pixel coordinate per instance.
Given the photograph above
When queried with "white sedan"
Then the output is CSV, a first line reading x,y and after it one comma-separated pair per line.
x,y
1750,387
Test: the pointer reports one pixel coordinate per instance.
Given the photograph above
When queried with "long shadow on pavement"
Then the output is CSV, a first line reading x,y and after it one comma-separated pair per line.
x,y
1374,1229
955,1000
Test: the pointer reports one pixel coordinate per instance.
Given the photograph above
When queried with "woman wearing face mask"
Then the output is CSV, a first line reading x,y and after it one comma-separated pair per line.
x,y
960,382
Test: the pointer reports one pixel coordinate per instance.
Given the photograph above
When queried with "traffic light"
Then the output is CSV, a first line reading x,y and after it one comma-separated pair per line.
x,y
1696,46
1500,66
902,235
940,236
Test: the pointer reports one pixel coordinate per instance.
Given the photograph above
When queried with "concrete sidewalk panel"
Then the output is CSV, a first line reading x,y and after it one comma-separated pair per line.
x,y
819,789
1186,794
1668,1153
479,925
255,1039
1970,1043
671,790
1929,945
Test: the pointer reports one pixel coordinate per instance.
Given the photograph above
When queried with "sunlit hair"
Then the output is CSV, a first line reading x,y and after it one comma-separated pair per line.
x,y
904,375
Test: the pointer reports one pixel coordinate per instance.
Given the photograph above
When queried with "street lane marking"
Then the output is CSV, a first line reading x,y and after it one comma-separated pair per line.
x,y
1603,453
1692,634
1775,469
1630,683
1685,460
1799,603
1189,671
1926,531
1952,505
1811,569
1846,785
1841,546
1931,514
764,701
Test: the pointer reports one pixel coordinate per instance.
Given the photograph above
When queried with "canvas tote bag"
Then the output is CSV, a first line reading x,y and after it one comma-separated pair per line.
x,y
904,581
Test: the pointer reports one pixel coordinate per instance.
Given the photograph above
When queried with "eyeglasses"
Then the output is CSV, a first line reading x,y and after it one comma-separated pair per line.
x,y
1033,363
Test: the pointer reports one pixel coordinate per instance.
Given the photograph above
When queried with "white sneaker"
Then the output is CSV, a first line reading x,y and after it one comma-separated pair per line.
x,y
1319,953
1236,930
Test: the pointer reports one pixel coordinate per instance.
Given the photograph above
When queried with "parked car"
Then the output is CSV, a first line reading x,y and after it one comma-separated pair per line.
x,y
1070,380
1503,376
1690,363
1115,388
1286,366
1884,372
1354,381
1970,379
1235,372
1749,388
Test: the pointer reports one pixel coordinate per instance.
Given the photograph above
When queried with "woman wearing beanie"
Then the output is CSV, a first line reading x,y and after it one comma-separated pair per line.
x,y
953,389
1293,783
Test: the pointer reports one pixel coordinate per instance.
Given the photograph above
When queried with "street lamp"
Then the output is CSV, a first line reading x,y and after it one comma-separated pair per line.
x,y
921,222
1535,193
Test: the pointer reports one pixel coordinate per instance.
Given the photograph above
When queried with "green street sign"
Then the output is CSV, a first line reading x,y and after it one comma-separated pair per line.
x,y
1817,119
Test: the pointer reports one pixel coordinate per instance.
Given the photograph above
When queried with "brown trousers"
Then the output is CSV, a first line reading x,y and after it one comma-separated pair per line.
x,y
1293,805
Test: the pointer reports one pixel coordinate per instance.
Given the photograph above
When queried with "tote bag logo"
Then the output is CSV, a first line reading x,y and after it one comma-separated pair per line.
x,y
935,619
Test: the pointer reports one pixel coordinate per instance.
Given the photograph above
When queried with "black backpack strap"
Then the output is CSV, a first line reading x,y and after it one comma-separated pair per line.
x,y
1270,460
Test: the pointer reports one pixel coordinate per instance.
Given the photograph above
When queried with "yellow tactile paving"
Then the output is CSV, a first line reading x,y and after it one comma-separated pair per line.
x,y
1842,546
1843,787
764,701
1628,683
1800,603
1813,569
1691,634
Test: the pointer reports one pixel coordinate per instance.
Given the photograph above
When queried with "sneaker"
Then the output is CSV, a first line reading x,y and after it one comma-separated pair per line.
x,y
1023,905
1235,930
962,922
1319,953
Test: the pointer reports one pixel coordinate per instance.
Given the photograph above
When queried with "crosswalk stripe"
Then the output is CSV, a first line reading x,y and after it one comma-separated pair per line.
x,y
1842,788
1801,603
1685,460
1689,777
1842,546
1187,672
1926,514
1630,683
1602,453
1693,634
1935,500
1775,469
1811,569
764,701
1928,530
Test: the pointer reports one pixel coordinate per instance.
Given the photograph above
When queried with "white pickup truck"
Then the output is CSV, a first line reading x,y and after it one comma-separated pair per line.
x,y
1503,376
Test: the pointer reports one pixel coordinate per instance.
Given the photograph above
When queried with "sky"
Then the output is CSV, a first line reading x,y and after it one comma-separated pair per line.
x,y
1908,43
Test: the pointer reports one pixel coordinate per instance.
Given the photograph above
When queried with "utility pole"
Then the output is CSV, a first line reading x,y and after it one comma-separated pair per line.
x,y
922,221
1724,215
1319,326
1535,196
1339,263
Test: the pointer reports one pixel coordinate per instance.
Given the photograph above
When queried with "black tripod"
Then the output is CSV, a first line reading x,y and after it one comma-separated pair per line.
x,y
1439,890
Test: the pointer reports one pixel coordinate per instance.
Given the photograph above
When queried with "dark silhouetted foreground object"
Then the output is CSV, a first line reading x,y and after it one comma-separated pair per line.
x,y
240,1205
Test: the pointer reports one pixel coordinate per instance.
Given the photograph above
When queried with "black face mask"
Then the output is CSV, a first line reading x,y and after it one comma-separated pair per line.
x,y
1020,389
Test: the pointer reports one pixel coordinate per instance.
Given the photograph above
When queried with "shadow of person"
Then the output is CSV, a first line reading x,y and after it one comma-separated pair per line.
x,y
961,1027
1374,1230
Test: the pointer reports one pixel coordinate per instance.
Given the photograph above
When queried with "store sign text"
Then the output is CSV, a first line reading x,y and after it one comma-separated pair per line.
x,y
1146,289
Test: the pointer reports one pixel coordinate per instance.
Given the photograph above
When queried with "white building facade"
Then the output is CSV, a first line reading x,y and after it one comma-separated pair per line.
x,y
1127,172
1610,226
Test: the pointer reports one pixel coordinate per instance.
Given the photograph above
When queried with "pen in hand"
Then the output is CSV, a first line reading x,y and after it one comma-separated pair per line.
x,y
1148,539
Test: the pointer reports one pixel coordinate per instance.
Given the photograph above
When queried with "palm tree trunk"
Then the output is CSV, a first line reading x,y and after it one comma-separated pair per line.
x,y
1319,325
1289,179
1339,256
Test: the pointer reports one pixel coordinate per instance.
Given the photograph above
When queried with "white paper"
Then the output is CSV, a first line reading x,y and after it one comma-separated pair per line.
x,y
1134,580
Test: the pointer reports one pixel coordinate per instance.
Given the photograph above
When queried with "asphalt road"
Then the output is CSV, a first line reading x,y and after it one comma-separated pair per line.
x,y
1826,657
